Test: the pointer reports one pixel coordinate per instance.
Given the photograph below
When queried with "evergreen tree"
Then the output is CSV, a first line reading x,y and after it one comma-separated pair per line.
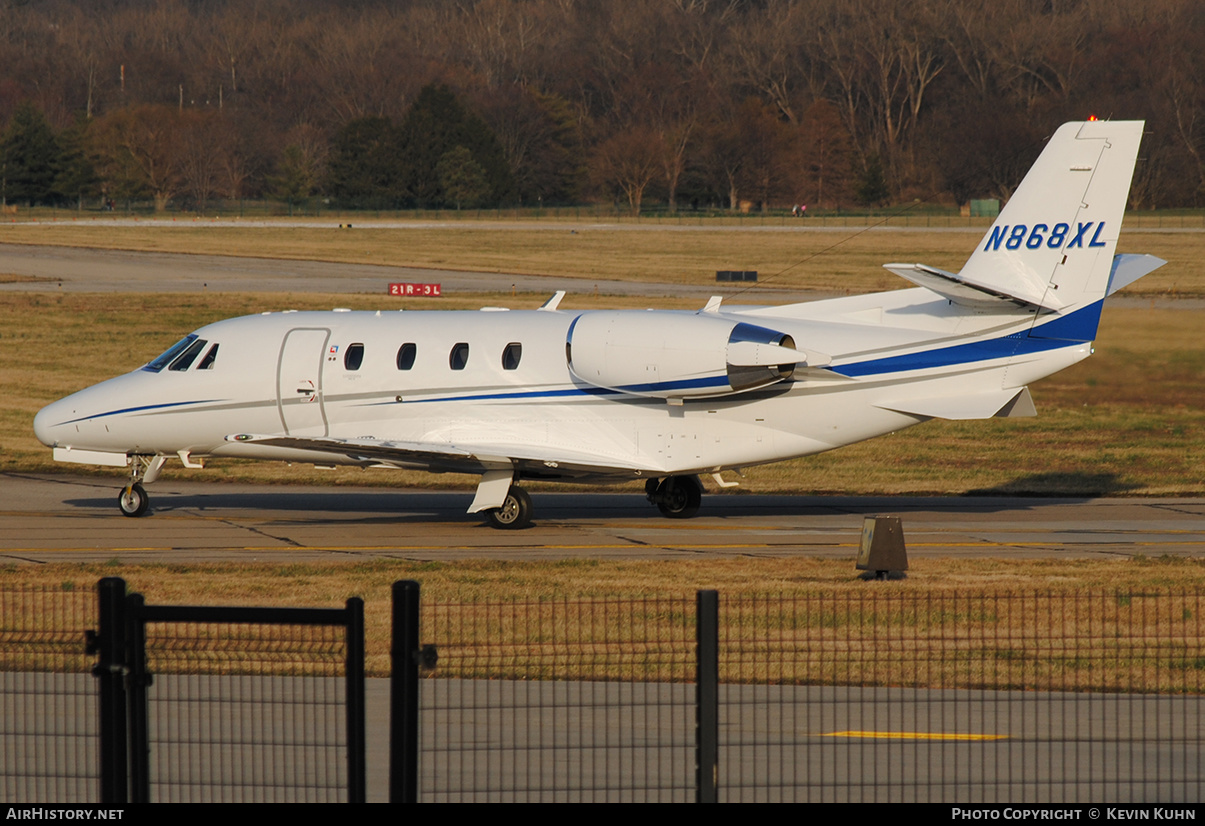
x,y
872,191
366,169
434,126
30,157
295,177
462,178
77,178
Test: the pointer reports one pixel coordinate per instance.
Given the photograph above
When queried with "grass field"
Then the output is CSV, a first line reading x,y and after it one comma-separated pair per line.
x,y
843,260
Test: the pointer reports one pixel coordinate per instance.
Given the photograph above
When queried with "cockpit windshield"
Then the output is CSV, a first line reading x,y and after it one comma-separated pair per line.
x,y
184,360
170,354
181,355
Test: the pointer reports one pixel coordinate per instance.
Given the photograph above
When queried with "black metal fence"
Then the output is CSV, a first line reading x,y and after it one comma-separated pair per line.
x,y
560,701
872,694
875,696
109,700
1044,698
49,735
246,704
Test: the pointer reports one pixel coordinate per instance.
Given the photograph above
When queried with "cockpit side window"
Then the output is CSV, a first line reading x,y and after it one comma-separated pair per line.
x,y
185,359
170,353
210,358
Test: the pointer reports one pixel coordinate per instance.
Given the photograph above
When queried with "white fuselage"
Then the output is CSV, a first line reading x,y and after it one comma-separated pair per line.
x,y
286,374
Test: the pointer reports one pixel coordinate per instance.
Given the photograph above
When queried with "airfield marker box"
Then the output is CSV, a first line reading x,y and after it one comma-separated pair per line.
x,y
882,547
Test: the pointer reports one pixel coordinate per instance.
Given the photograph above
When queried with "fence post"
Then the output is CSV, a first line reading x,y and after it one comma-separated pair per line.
x,y
707,695
111,670
139,680
403,695
357,762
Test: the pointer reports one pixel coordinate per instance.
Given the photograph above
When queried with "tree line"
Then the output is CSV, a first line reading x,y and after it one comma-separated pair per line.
x,y
727,103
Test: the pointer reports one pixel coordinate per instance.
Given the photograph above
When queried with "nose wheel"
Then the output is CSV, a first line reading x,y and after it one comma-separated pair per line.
x,y
515,512
133,500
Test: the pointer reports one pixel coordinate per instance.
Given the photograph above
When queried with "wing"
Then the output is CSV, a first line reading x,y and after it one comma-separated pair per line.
x,y
532,461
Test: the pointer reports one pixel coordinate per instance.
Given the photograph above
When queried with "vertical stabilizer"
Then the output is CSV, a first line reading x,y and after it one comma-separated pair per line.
x,y
1054,241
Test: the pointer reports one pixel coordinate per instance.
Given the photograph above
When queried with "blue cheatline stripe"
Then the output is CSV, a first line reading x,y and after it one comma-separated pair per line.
x,y
1075,328
714,381
138,410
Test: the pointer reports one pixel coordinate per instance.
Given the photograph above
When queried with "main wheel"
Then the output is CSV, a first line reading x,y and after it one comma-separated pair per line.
x,y
133,500
515,511
680,497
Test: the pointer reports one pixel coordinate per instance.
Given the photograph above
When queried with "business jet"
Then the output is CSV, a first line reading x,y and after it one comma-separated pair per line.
x,y
661,396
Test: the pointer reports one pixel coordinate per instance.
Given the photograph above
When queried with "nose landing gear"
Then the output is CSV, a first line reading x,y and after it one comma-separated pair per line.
x,y
133,499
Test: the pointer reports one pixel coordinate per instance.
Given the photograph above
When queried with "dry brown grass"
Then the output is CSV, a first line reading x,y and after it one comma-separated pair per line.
x,y
1124,625
836,260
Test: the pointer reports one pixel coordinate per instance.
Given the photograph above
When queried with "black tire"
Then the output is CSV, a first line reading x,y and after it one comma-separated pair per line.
x,y
680,497
133,500
515,512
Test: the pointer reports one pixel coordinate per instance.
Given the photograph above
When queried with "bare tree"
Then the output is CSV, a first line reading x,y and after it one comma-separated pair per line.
x,y
627,162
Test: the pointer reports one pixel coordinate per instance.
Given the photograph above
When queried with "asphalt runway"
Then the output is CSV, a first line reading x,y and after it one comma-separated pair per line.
x,y
51,518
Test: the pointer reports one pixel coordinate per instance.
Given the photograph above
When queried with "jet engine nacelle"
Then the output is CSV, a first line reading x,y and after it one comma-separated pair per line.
x,y
677,355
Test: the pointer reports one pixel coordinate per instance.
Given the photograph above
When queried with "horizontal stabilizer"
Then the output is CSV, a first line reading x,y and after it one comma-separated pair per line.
x,y
1004,404
969,293
1128,268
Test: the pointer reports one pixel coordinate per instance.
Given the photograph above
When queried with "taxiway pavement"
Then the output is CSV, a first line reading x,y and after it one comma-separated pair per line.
x,y
53,518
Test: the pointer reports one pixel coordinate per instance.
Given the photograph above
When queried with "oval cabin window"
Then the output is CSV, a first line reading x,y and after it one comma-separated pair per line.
x,y
405,355
512,355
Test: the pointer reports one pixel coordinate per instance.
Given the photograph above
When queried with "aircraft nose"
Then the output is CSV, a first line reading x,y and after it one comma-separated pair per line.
x,y
45,423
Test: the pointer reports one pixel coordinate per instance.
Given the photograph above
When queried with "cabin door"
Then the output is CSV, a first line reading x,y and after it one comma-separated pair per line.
x,y
299,381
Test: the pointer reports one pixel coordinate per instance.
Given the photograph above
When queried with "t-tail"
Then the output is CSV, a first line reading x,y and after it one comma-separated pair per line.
x,y
1052,249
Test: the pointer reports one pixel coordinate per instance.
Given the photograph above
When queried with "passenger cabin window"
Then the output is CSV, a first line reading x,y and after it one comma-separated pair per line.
x,y
210,358
405,355
512,355
459,357
354,356
185,359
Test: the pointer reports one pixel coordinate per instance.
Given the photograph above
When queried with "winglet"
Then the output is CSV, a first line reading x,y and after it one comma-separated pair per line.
x,y
553,302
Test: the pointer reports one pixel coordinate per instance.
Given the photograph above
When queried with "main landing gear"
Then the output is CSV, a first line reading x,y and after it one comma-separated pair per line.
x,y
133,499
677,497
515,512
